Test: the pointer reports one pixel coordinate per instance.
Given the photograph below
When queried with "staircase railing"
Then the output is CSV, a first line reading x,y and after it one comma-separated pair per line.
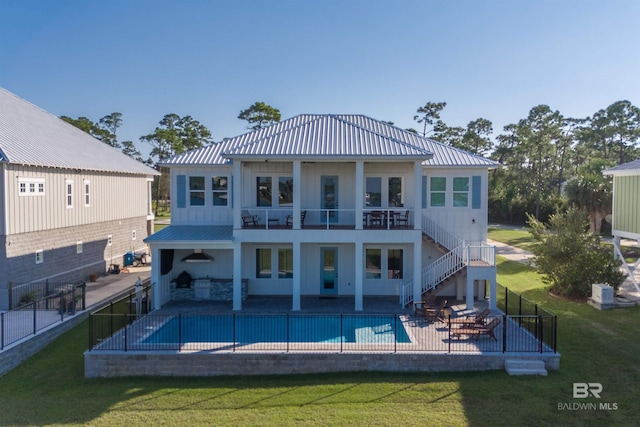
x,y
443,268
441,236
460,255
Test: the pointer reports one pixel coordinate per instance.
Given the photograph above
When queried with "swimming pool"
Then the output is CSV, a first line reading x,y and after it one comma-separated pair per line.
x,y
248,329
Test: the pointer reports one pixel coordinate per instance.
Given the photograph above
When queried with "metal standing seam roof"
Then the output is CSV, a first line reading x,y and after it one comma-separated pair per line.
x,y
32,136
633,166
192,233
331,135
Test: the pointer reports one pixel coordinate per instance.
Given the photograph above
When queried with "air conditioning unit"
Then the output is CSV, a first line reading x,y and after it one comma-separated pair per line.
x,y
602,293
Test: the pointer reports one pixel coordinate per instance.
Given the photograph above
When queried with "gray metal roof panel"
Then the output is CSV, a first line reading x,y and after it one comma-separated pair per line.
x,y
192,233
626,167
31,136
331,135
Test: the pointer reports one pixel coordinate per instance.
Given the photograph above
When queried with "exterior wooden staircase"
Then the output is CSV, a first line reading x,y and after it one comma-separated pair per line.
x,y
457,256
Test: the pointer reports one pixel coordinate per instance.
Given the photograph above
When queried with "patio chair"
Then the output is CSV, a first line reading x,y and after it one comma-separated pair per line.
x,y
402,219
471,321
289,219
431,314
429,301
376,219
249,220
477,331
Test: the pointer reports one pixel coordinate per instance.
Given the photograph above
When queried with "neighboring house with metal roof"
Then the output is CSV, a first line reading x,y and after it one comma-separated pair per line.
x,y
70,204
325,205
625,217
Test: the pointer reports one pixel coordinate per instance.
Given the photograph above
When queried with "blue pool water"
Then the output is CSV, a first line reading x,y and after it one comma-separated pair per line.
x,y
269,328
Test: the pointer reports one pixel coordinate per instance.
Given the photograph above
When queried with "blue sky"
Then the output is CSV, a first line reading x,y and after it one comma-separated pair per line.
x,y
384,59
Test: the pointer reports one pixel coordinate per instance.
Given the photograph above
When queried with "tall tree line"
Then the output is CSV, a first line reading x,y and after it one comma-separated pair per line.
x,y
547,161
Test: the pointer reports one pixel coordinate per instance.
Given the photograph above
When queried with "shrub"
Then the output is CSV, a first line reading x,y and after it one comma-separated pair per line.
x,y
570,258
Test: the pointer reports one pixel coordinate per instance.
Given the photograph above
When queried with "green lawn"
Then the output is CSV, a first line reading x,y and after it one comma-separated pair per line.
x,y
519,238
49,389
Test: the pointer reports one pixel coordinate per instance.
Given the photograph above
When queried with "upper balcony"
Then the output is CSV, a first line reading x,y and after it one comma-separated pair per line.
x,y
328,219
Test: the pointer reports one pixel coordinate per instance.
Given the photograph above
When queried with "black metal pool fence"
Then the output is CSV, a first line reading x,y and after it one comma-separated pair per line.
x,y
37,310
334,333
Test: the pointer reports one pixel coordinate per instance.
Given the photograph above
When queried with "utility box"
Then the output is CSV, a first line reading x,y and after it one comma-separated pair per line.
x,y
602,293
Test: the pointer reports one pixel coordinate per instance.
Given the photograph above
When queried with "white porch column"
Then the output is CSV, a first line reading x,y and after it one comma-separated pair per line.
x,y
469,293
297,273
237,276
359,262
297,184
417,195
155,279
359,192
237,194
417,270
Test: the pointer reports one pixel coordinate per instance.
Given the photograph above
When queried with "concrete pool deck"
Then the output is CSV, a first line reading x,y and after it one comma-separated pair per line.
x,y
432,348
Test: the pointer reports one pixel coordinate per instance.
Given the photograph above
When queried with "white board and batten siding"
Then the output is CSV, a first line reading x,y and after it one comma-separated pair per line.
x,y
112,196
208,214
470,222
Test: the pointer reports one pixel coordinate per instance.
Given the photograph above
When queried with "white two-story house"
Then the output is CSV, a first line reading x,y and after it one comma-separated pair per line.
x,y
325,205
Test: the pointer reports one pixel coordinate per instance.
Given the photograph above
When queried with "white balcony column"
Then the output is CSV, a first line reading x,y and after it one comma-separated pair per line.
x,y
359,192
297,273
156,290
417,270
417,195
469,292
237,276
237,194
297,185
359,262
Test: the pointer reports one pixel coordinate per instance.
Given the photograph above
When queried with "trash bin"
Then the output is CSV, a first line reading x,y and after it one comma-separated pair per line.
x,y
128,259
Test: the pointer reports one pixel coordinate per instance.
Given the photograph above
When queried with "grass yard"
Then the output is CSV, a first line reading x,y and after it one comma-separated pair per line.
x,y
520,238
49,389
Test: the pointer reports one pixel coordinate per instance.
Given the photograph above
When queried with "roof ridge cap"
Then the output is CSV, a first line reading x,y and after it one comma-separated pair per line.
x,y
397,141
249,143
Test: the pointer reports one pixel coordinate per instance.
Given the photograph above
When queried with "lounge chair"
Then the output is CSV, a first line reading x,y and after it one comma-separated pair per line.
x,y
471,321
429,301
477,331
434,313
249,220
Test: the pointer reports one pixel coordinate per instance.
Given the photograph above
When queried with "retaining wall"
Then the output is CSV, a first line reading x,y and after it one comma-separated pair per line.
x,y
118,364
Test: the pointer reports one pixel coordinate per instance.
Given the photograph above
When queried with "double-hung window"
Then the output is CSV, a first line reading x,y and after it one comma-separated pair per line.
x,y
196,190
87,193
437,189
69,192
460,192
220,189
